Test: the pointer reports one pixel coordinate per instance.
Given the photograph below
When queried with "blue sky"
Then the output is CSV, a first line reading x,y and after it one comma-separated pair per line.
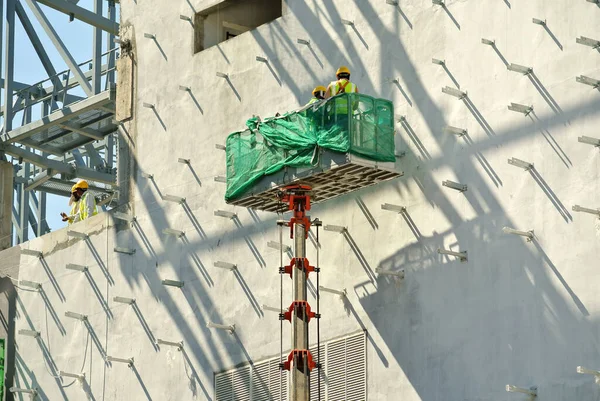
x,y
77,37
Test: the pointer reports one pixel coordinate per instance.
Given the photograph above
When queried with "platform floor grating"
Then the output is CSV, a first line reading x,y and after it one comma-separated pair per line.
x,y
326,185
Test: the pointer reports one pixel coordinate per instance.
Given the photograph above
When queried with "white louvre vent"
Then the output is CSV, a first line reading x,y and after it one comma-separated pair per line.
x,y
356,369
336,370
223,387
262,382
343,377
241,384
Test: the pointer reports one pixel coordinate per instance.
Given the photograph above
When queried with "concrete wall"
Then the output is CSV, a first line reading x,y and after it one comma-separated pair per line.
x,y
517,312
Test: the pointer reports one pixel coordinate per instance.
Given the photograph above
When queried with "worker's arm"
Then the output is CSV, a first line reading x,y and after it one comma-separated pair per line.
x,y
357,89
328,92
72,218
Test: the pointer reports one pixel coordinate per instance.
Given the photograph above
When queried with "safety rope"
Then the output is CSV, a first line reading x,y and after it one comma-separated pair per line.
x,y
281,373
47,355
319,366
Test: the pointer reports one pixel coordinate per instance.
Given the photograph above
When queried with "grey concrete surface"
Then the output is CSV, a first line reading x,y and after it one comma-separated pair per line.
x,y
517,312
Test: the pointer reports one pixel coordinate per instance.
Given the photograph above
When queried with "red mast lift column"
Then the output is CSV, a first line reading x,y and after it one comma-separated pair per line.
x,y
299,361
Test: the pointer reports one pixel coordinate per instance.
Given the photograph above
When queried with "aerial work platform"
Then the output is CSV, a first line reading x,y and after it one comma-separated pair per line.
x,y
333,147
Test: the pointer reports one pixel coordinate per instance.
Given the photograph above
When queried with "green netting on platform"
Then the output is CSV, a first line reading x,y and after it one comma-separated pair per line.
x,y
365,129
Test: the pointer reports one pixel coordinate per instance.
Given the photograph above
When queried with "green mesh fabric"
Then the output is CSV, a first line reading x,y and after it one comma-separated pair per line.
x,y
365,129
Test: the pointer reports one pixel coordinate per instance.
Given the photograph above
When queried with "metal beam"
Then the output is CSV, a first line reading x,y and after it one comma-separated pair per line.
x,y
39,179
18,101
59,116
96,176
37,214
16,219
24,208
60,46
20,86
95,160
71,84
44,93
9,70
97,51
82,14
59,167
63,188
38,160
37,45
47,92
90,133
112,15
68,156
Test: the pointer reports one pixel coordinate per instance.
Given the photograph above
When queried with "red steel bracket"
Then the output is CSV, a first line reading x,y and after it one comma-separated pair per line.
x,y
302,309
305,221
298,199
299,358
289,268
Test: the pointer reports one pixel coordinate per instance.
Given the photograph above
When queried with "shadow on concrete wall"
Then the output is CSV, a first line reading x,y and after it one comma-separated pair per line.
x,y
145,326
417,344
431,369
52,311
202,344
428,366
142,385
95,339
193,378
250,243
52,279
99,261
98,294
25,379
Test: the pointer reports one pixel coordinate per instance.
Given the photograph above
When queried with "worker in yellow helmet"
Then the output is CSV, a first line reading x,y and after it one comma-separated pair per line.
x,y
342,85
338,112
84,204
318,94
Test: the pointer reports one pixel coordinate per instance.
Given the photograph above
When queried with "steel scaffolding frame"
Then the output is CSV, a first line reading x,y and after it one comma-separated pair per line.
x,y
51,133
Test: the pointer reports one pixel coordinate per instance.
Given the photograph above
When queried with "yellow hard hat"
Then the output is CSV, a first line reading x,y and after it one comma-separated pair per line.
x,y
80,185
342,70
319,89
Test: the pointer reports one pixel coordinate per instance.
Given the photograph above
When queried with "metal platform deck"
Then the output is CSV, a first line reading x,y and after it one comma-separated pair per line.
x,y
69,128
337,174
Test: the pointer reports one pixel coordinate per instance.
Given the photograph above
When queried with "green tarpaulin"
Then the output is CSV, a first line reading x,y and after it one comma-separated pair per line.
x,y
347,123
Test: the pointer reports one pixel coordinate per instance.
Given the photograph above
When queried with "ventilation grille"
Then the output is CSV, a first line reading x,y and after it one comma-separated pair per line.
x,y
343,377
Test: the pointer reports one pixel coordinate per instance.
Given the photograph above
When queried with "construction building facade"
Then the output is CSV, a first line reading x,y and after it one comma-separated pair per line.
x,y
466,269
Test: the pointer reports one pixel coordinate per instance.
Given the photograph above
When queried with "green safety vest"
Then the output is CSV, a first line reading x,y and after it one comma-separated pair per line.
x,y
83,212
341,86
314,100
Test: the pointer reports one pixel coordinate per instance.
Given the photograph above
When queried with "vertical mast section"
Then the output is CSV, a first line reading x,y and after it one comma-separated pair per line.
x,y
299,361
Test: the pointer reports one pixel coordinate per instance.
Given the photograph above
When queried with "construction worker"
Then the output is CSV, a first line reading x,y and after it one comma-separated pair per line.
x,y
339,113
342,85
83,204
318,94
